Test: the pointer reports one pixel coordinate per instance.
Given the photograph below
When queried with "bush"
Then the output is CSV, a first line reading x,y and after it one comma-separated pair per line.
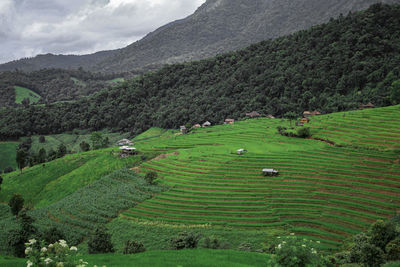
x,y
9,169
209,242
304,132
151,177
372,256
185,240
42,139
294,252
393,250
100,242
84,146
382,233
245,246
52,235
132,247
16,204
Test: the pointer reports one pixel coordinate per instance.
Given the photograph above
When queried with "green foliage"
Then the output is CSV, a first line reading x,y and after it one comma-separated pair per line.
x,y
304,132
395,92
98,141
8,153
16,203
61,150
211,242
42,139
381,233
185,240
22,94
84,146
296,252
21,159
393,250
16,238
291,116
371,255
329,80
100,242
132,247
150,177
52,235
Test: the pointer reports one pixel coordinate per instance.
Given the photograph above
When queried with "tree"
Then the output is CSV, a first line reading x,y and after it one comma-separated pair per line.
x,y
16,204
132,247
84,146
42,139
291,116
17,238
97,140
61,151
52,235
395,92
21,158
382,233
304,132
100,242
150,177
42,155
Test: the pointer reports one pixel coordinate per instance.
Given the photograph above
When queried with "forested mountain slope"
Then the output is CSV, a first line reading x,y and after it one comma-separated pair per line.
x,y
52,84
218,26
331,67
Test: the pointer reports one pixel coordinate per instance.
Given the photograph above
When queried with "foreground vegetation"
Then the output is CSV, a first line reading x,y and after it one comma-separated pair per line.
x,y
330,67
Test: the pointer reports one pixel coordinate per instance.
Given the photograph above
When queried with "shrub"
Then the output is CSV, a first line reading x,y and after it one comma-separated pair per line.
x,y
209,242
245,246
17,238
185,240
52,235
84,146
100,242
9,169
382,233
16,204
151,177
132,247
55,254
359,241
372,256
294,252
393,250
304,132
42,139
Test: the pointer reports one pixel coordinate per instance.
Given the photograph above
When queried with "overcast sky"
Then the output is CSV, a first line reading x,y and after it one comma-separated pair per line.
x,y
31,27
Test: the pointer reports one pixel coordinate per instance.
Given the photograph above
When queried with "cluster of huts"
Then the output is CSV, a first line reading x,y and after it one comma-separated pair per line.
x,y
306,117
126,148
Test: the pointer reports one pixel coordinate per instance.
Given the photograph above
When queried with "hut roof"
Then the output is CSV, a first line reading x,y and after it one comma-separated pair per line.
x,y
369,105
307,113
316,112
183,127
207,123
270,116
253,114
125,142
229,120
130,148
269,170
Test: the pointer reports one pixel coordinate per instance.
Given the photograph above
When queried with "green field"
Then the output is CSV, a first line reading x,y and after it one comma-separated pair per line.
x,y
71,141
8,154
21,93
324,192
184,258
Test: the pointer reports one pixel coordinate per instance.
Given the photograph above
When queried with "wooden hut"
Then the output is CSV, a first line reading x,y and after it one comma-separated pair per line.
x,y
369,105
206,124
270,172
127,151
183,130
253,114
241,151
304,120
229,121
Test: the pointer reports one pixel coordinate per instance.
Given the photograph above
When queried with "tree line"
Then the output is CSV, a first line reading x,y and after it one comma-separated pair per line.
x,y
331,67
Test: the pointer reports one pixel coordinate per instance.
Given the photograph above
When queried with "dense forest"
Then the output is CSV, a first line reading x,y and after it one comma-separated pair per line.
x,y
52,84
331,67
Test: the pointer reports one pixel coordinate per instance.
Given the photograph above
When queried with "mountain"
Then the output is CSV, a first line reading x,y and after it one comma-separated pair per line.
x,y
332,67
216,27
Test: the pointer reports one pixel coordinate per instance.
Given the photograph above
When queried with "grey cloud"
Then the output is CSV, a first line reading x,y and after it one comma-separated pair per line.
x,y
31,27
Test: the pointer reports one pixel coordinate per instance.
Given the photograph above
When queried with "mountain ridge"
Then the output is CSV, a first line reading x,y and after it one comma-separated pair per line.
x,y
218,26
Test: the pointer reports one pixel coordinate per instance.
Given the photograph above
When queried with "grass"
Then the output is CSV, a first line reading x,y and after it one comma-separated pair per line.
x,y
8,154
116,80
184,258
21,93
71,141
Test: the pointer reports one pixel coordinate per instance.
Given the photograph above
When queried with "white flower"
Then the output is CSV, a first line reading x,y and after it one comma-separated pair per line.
x,y
283,242
291,233
303,245
29,264
27,250
319,242
280,246
60,264
32,241
48,261
43,250
51,245
73,248
279,237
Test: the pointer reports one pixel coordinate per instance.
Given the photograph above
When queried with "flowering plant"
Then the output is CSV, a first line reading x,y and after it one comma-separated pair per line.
x,y
58,254
297,252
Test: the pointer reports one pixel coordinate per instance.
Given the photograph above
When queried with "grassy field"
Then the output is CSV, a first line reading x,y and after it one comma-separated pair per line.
x,y
71,141
8,154
323,192
184,258
21,93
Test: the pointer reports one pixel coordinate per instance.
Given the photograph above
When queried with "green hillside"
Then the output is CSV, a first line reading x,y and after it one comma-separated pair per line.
x,y
7,155
324,192
330,67
21,93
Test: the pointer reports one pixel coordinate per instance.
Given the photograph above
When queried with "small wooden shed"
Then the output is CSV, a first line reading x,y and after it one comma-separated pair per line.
x,y
183,129
206,124
253,114
304,120
270,172
229,121
127,151
241,151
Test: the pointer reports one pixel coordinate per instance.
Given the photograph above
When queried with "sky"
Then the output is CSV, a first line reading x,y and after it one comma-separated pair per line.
x,y
32,27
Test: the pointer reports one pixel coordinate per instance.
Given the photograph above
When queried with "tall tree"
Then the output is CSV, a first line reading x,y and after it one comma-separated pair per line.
x,y
21,159
16,204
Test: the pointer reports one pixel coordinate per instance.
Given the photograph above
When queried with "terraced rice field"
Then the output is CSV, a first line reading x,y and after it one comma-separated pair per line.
x,y
323,192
